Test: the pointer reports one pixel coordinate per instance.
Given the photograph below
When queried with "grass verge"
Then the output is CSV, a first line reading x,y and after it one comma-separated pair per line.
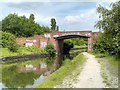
x,y
58,76
21,51
113,60
109,69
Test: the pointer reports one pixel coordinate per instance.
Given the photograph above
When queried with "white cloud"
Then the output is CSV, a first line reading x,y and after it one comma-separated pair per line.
x,y
84,17
106,3
45,20
72,19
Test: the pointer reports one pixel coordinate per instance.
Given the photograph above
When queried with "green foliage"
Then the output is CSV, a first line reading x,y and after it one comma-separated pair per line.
x,y
50,49
99,55
22,26
34,49
58,76
53,24
8,41
113,60
22,50
7,52
110,24
101,45
74,53
67,47
13,78
79,41
14,47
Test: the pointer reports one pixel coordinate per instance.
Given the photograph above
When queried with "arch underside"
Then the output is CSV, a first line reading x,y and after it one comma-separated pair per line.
x,y
70,36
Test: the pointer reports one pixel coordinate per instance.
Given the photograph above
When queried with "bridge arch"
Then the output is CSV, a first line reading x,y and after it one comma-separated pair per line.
x,y
59,46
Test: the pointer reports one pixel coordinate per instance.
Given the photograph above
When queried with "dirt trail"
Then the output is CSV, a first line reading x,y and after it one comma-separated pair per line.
x,y
89,77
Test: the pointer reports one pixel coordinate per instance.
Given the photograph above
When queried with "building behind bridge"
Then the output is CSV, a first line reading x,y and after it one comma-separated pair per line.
x,y
42,40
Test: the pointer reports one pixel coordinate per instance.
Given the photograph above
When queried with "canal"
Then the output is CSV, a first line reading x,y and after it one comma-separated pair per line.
x,y
26,74
29,74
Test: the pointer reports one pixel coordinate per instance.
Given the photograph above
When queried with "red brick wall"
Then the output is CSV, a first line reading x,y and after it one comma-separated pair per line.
x,y
21,41
37,39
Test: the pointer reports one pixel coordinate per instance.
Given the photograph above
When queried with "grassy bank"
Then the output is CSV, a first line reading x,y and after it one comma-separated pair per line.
x,y
109,69
112,59
22,50
58,76
84,46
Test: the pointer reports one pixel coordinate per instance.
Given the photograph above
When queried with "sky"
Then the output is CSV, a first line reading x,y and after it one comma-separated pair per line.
x,y
70,15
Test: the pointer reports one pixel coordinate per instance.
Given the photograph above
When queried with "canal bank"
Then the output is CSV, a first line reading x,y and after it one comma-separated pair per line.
x,y
31,73
66,69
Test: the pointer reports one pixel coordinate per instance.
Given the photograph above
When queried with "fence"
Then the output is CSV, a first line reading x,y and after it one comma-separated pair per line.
x,y
23,57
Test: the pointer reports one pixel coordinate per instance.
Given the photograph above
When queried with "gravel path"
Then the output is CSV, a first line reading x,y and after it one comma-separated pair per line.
x,y
89,77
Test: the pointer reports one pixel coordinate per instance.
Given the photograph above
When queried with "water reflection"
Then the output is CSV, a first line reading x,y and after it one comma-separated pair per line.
x,y
37,81
26,75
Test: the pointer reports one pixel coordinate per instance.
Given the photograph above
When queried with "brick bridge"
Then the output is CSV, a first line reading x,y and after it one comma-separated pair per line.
x,y
57,39
42,40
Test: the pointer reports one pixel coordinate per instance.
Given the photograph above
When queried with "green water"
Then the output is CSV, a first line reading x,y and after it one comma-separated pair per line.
x,y
14,76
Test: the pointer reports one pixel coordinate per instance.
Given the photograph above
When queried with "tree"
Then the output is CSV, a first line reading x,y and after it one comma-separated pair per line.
x,y
8,41
32,17
110,24
50,49
21,26
57,28
53,24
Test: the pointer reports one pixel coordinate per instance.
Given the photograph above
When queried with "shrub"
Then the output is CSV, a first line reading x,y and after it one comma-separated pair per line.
x,y
14,47
50,49
8,41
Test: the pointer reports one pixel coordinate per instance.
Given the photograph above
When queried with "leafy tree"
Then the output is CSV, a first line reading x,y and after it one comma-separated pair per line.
x,y
21,26
53,24
101,45
8,41
50,49
109,23
32,17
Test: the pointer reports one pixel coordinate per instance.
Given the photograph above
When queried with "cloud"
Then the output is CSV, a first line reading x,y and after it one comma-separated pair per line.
x,y
69,15
83,17
106,3
72,19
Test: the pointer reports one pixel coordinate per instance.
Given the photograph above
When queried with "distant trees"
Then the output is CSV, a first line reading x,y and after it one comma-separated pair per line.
x,y
68,44
109,23
21,26
53,25
79,41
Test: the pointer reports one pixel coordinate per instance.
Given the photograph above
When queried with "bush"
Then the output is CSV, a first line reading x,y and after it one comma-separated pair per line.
x,y
14,47
50,49
8,41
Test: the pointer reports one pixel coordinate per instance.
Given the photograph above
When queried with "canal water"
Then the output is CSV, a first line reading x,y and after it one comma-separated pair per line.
x,y
26,74
30,73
